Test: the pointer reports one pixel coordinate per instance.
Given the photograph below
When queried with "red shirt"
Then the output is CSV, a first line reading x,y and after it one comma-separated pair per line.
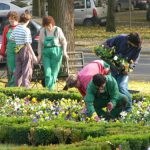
x,y
4,38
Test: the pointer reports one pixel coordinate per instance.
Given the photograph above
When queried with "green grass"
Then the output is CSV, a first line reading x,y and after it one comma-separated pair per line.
x,y
98,33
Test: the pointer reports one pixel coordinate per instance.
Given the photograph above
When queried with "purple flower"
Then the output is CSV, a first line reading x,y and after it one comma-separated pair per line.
x,y
56,113
35,120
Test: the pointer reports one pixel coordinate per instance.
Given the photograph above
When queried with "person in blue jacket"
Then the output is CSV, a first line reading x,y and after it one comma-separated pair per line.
x,y
127,46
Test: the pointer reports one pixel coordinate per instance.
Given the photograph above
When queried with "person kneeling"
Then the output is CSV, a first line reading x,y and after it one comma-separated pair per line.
x,y
102,92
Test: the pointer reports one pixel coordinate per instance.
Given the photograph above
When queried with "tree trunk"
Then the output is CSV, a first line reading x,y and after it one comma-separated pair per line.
x,y
62,12
43,10
110,26
36,8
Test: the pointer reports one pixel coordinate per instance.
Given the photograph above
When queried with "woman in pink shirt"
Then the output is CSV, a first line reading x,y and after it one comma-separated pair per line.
x,y
83,77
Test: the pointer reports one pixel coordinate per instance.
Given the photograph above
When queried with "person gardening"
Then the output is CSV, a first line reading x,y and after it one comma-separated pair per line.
x,y
83,77
102,92
128,47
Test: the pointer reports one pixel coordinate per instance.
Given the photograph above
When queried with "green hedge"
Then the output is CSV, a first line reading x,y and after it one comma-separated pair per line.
x,y
2,97
22,131
40,93
43,93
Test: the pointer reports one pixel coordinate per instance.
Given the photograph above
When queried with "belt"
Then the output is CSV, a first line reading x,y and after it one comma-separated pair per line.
x,y
18,48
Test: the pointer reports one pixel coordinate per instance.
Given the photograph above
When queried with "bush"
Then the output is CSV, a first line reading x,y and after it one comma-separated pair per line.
x,y
40,94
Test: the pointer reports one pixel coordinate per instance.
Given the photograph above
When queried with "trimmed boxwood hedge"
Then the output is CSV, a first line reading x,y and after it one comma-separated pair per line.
x,y
43,93
40,93
22,131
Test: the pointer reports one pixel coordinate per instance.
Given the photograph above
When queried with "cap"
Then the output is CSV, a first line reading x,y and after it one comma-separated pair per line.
x,y
70,82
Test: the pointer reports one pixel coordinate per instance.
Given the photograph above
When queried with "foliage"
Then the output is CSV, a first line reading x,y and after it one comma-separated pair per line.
x,y
48,121
68,109
119,63
19,3
40,93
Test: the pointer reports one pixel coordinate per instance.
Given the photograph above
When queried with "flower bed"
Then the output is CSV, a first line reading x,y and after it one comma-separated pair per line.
x,y
30,120
67,109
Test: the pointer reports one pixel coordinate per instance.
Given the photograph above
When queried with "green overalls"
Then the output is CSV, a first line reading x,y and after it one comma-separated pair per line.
x,y
96,101
51,59
10,50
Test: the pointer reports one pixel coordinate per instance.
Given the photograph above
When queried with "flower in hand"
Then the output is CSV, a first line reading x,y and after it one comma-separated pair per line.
x,y
109,106
95,117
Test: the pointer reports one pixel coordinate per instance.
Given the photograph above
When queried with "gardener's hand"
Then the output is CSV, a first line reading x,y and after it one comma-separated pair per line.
x,y
110,106
66,55
95,117
125,73
39,58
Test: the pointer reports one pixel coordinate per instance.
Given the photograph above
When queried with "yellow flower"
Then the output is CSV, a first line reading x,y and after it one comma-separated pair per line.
x,y
104,109
34,100
28,96
74,115
67,113
88,119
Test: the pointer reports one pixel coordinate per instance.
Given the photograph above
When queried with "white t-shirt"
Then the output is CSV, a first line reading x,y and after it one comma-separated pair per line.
x,y
21,35
59,34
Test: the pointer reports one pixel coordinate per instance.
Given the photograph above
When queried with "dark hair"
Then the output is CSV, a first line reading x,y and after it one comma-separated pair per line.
x,y
13,15
134,38
99,80
48,20
25,17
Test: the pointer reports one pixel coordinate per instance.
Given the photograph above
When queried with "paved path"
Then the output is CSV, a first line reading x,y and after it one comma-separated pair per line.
x,y
140,73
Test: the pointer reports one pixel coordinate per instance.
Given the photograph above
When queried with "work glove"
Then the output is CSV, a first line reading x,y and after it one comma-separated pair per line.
x,y
95,117
109,106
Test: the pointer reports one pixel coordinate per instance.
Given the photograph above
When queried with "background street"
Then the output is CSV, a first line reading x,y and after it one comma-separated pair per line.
x,y
141,71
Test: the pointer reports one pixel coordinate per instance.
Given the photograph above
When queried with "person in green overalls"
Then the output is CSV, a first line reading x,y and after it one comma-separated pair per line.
x,y
8,46
103,98
52,46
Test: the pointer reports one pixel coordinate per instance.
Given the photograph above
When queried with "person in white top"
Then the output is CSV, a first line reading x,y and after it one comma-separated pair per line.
x,y
24,52
52,46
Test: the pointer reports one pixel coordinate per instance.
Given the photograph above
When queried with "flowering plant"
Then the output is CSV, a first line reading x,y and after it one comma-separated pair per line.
x,y
67,109
119,63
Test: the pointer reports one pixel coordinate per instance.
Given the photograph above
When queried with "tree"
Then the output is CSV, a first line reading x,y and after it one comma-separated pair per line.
x,y
62,12
35,7
110,26
38,7
43,7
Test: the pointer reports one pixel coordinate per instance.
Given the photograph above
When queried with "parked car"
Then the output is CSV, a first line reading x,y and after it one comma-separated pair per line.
x,y
5,7
142,4
90,12
148,13
124,4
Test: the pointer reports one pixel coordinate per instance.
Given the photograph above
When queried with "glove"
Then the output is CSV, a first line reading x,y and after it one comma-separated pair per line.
x,y
95,117
109,106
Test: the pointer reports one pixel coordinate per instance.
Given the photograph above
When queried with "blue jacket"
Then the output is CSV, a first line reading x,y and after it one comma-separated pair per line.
x,y
123,49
